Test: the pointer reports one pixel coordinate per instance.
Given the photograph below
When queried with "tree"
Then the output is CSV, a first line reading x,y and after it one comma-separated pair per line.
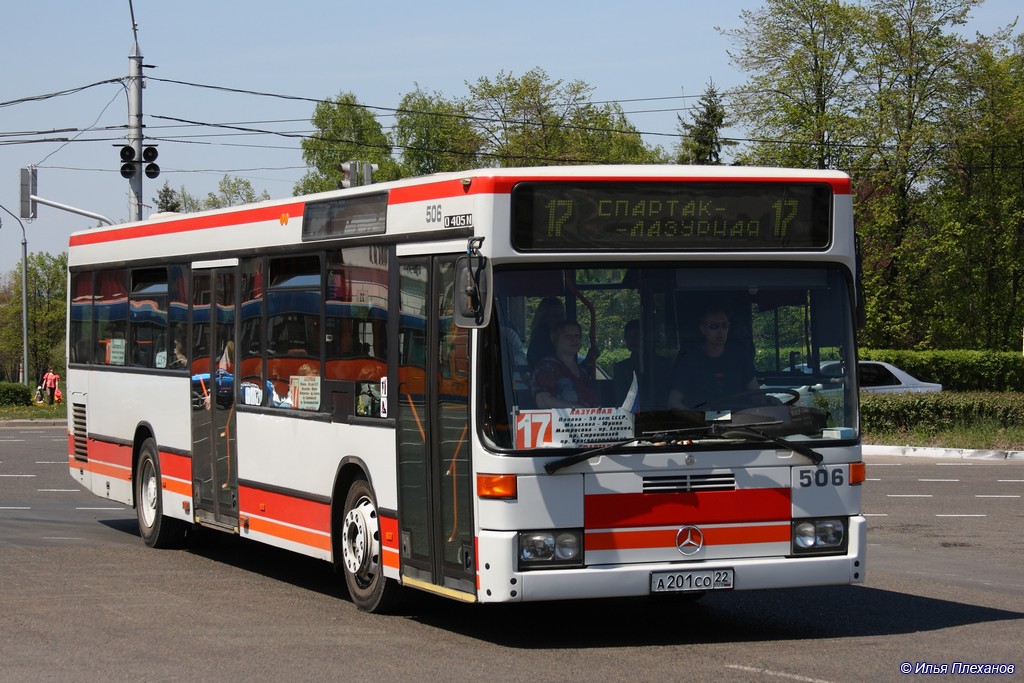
x,y
533,121
802,57
701,140
346,131
435,134
907,85
976,205
232,192
47,285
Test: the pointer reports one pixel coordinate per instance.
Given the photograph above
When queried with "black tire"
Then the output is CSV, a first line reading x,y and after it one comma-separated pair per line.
x,y
358,552
156,530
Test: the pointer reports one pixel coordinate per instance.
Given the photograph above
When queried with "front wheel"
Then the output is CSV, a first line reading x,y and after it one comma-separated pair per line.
x,y
156,530
360,549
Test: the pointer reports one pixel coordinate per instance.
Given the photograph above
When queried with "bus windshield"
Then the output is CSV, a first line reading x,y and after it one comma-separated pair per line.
x,y
668,355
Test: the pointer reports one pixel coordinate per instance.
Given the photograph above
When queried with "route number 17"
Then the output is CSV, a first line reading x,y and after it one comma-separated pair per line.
x,y
533,429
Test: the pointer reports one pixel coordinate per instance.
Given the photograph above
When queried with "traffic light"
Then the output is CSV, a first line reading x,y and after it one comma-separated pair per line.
x,y
28,189
347,169
355,173
130,165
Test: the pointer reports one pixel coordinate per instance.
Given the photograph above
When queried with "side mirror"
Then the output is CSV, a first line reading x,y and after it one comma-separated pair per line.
x,y
472,291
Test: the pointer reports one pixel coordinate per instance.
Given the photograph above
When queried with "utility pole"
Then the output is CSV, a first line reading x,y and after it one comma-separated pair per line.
x,y
135,124
24,300
133,155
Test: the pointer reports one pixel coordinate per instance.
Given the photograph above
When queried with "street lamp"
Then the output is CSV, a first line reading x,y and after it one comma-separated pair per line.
x,y
24,298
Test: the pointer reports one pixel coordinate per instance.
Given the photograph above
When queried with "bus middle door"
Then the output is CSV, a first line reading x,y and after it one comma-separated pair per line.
x,y
434,463
214,453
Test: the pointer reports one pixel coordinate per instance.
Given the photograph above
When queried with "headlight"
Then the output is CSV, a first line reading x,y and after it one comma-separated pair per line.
x,y
817,536
551,548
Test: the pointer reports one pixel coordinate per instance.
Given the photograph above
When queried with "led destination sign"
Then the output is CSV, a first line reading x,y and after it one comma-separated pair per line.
x,y
670,216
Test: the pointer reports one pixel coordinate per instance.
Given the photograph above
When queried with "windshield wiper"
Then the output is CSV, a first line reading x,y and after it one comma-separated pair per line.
x,y
746,431
741,432
568,460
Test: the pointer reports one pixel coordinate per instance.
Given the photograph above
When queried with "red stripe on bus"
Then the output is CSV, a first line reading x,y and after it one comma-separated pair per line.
x,y
301,536
447,188
175,465
102,469
389,540
302,512
504,184
666,538
112,453
170,227
623,510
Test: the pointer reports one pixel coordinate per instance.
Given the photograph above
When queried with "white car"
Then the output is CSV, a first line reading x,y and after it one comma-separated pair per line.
x,y
882,378
879,377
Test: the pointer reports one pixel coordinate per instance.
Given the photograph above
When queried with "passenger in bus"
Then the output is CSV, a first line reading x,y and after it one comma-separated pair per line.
x,y
559,380
180,360
713,371
624,370
549,311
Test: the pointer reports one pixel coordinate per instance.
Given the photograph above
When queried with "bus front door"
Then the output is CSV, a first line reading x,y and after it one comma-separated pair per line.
x,y
434,463
214,455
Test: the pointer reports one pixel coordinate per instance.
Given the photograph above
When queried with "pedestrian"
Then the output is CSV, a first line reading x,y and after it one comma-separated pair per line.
x,y
50,381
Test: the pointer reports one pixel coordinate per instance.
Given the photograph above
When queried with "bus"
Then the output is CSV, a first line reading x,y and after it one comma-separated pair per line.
x,y
371,377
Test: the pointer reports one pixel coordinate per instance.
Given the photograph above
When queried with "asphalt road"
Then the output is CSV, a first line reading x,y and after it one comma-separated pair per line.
x,y
81,598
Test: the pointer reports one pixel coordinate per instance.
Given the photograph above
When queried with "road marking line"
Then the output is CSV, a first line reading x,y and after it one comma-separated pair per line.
x,y
961,515
99,508
955,464
908,495
876,514
11,440
51,462
777,674
885,464
1010,481
63,538
26,476
954,480
58,490
872,479
984,495
14,507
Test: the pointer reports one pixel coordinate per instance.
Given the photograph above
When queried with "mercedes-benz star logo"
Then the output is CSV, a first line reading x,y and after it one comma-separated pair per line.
x,y
689,540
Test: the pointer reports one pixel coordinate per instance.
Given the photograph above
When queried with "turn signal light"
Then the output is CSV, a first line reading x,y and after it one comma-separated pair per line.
x,y
496,486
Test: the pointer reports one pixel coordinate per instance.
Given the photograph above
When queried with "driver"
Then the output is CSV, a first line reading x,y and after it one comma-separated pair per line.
x,y
713,371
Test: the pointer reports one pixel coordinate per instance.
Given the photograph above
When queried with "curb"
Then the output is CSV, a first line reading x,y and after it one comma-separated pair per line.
x,y
33,423
930,452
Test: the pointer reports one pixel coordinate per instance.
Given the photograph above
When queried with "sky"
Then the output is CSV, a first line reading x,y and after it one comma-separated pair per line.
x,y
655,57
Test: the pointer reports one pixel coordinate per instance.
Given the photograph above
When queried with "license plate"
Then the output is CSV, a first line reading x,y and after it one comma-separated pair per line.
x,y
691,580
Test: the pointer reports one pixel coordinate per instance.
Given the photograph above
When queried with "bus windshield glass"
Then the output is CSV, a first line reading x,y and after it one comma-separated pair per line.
x,y
668,355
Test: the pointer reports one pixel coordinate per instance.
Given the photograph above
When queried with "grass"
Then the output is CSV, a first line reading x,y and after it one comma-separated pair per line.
x,y
980,436
34,412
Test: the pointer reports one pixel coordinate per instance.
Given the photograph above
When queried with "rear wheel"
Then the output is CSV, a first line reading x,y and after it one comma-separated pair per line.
x,y
361,550
156,530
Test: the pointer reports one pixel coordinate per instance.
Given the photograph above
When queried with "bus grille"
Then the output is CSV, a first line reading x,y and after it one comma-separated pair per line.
x,y
687,483
80,432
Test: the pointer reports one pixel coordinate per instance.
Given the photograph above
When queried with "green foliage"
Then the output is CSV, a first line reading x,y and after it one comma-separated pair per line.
x,y
346,131
47,285
701,140
436,134
14,394
940,412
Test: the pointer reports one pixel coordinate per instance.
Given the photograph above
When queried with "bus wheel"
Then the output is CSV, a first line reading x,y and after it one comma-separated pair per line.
x,y
361,552
156,530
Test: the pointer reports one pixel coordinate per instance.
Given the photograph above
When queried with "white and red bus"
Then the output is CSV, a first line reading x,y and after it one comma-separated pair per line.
x,y
358,376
